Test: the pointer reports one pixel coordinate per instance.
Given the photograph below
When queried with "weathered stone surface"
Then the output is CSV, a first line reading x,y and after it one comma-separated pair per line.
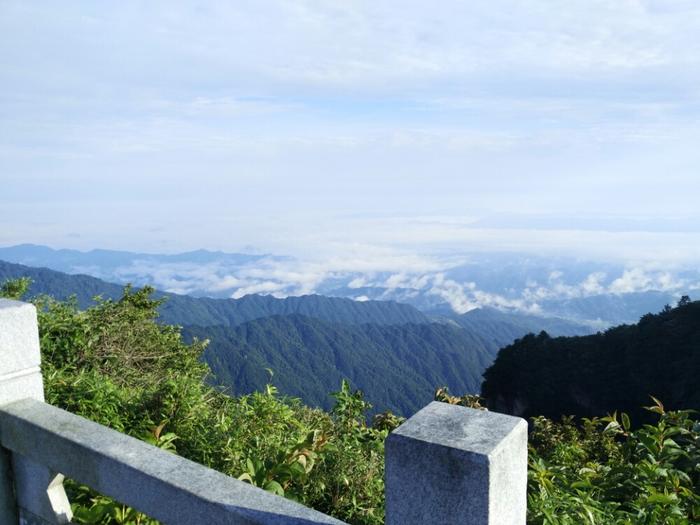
x,y
163,485
19,337
29,492
20,375
454,465
21,386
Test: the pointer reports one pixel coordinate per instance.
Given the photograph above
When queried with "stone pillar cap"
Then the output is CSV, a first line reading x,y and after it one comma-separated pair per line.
x,y
479,432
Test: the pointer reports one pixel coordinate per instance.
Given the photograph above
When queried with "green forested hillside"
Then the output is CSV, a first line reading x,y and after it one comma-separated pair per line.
x,y
615,370
397,367
203,311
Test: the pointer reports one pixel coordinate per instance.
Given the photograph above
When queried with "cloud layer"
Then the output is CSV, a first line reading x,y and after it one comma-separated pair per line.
x,y
518,283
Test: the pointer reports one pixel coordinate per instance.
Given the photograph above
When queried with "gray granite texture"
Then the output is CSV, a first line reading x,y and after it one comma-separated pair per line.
x,y
454,465
20,375
29,492
165,486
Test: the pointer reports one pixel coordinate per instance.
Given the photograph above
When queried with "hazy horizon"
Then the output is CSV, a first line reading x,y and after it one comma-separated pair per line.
x,y
596,294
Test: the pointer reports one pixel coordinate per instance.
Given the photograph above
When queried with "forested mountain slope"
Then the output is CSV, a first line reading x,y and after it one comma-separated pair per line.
x,y
397,367
591,375
187,310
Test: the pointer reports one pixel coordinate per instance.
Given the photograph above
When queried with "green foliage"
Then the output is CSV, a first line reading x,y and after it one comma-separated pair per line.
x,y
597,374
15,289
355,458
468,400
603,472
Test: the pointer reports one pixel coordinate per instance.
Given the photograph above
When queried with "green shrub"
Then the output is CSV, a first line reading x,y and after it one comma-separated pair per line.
x,y
601,471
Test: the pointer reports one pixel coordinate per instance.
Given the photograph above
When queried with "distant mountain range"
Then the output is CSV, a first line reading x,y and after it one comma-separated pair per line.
x,y
395,353
204,311
108,261
498,326
168,272
595,294
398,354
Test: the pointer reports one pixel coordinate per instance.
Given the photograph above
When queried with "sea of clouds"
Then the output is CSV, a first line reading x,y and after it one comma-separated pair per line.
x,y
455,284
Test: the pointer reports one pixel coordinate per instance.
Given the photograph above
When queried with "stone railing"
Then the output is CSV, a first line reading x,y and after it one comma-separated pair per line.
x,y
445,465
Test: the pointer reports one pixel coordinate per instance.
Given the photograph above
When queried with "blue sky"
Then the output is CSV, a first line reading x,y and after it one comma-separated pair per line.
x,y
326,128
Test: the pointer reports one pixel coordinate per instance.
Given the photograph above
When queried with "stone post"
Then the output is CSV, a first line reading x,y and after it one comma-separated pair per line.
x,y
454,465
29,493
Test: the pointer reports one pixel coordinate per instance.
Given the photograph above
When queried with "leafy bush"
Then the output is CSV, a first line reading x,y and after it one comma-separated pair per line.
x,y
602,471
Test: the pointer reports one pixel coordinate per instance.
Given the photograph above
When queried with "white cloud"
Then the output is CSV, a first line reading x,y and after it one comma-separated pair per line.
x,y
265,287
632,280
592,285
511,282
453,293
639,280
357,282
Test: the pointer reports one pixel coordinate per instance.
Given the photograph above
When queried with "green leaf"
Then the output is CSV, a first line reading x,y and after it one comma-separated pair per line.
x,y
625,421
274,487
664,499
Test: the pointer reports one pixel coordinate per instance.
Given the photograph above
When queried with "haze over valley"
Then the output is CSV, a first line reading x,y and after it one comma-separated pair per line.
x,y
594,294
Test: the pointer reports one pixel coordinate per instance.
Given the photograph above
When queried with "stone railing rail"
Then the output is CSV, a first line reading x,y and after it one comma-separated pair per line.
x,y
445,465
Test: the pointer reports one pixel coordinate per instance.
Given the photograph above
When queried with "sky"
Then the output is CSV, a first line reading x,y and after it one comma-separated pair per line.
x,y
337,129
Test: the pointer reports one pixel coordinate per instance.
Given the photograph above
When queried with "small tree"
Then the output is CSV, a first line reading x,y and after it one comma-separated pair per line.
x,y
15,288
684,300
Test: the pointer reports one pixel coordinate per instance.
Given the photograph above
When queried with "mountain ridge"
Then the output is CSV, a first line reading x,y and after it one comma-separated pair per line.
x,y
514,325
204,311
